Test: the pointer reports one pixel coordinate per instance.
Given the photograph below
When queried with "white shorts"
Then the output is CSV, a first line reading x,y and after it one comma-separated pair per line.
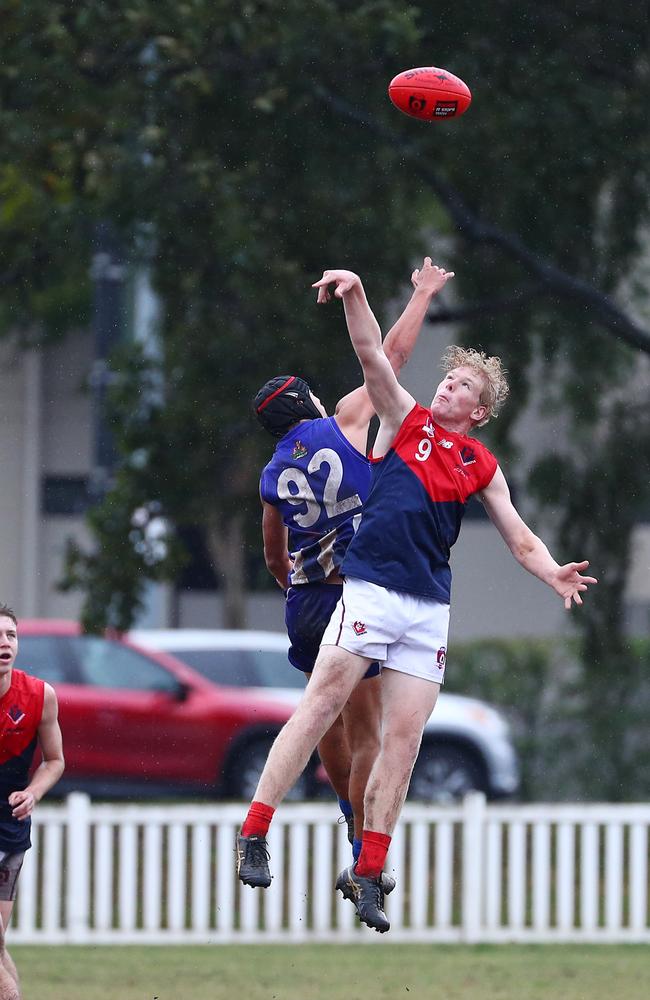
x,y
401,631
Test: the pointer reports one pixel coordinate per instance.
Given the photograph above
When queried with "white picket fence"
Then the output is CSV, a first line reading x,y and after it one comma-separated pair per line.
x,y
475,872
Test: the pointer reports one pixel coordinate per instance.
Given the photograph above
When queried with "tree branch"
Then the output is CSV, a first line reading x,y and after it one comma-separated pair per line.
x,y
475,310
605,311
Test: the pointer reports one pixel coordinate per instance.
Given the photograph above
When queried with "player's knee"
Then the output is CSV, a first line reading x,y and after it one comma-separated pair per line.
x,y
401,745
332,678
317,711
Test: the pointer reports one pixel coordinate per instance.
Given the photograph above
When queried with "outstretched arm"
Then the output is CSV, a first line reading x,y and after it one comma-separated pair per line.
x,y
400,340
390,401
356,410
528,549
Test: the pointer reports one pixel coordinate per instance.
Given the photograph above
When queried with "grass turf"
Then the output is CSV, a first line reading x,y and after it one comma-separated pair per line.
x,y
335,972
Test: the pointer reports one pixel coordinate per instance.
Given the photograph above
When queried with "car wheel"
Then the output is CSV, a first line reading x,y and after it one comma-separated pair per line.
x,y
248,766
445,772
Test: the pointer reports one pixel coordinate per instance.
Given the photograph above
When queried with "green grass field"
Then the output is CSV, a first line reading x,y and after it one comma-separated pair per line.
x,y
332,972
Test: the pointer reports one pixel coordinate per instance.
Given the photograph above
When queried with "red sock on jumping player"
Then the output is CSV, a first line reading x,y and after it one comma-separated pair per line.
x,y
258,819
374,848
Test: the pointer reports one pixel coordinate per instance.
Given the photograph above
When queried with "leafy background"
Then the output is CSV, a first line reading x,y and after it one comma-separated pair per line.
x,y
234,149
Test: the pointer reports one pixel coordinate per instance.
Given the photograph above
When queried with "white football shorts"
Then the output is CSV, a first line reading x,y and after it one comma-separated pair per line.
x,y
403,632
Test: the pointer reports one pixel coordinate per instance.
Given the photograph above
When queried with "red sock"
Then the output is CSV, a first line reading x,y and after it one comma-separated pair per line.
x,y
258,820
374,848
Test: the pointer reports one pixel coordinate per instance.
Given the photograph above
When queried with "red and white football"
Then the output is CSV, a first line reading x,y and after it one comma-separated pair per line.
x,y
430,94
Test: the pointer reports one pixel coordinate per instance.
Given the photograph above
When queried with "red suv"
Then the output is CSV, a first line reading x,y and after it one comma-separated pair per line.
x,y
143,723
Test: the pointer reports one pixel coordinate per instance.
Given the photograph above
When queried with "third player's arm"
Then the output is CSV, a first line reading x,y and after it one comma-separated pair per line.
x,y
51,767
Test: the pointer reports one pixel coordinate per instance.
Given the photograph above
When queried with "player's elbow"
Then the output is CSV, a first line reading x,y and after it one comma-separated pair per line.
x,y
274,563
372,358
56,767
523,546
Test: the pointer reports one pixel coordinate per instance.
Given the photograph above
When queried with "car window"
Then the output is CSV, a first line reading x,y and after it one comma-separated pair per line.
x,y
43,656
104,663
242,667
274,670
230,667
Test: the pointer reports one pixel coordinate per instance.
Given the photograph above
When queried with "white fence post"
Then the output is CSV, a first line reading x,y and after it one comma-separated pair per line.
x,y
589,876
28,889
639,879
472,893
565,877
78,866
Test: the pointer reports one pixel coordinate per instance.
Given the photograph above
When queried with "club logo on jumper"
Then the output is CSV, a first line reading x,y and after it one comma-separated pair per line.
x,y
299,451
445,109
467,455
441,658
359,628
417,103
446,444
16,714
428,429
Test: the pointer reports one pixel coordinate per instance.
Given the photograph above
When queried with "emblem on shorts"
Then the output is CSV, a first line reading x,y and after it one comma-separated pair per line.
x,y
441,658
359,628
299,450
16,714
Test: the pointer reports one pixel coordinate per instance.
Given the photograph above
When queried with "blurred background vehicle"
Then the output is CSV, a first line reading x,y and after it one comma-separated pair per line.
x,y
142,723
194,711
466,743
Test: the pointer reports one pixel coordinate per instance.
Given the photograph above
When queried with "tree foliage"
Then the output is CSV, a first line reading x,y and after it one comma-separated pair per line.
x,y
253,144
546,690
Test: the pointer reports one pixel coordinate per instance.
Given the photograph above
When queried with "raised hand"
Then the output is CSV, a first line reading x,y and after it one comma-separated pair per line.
x,y
343,282
430,277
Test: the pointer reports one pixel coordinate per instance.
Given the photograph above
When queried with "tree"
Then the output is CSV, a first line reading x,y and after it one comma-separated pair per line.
x,y
255,144
181,118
